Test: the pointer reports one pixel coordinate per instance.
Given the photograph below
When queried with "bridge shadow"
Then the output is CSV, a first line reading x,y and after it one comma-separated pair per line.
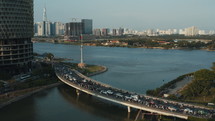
x,y
102,108
95,105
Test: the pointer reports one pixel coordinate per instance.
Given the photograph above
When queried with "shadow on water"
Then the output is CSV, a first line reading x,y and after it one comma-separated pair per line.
x,y
102,108
54,105
23,110
95,105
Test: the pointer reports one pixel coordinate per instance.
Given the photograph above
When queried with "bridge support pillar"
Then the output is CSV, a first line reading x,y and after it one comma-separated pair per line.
x,y
138,115
77,92
143,115
129,109
128,116
159,118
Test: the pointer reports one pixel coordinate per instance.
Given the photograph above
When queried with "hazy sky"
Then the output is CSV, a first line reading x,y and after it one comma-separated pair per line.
x,y
134,14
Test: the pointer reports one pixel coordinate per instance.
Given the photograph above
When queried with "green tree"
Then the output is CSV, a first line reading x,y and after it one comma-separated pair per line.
x,y
213,67
201,85
204,74
211,46
50,56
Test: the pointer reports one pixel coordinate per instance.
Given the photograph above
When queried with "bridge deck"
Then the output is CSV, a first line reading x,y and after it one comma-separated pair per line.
x,y
118,100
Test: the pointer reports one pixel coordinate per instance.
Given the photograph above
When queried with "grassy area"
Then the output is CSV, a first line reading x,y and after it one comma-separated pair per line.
x,y
61,59
201,100
90,69
202,87
200,91
93,68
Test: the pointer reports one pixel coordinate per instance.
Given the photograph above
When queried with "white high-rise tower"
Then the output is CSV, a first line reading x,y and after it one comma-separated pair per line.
x,y
46,25
45,13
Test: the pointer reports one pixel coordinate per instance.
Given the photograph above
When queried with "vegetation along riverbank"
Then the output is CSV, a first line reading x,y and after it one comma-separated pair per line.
x,y
200,90
152,42
42,76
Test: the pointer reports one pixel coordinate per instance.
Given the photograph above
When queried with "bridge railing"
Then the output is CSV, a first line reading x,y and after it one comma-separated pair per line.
x,y
134,93
123,91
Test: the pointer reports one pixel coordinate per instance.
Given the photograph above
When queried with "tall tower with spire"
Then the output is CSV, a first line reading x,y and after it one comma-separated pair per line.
x,y
44,14
46,23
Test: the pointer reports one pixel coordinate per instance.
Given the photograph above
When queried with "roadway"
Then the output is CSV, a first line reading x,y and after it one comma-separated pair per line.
x,y
130,99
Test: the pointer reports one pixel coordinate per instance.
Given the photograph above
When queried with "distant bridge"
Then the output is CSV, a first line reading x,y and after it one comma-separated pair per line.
x,y
85,84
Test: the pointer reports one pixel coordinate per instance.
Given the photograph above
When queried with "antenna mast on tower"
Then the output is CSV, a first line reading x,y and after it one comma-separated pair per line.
x,y
45,13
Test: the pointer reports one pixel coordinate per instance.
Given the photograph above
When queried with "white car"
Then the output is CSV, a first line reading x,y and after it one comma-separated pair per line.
x,y
110,92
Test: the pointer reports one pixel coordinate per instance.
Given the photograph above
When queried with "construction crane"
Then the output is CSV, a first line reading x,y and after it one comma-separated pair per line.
x,y
75,19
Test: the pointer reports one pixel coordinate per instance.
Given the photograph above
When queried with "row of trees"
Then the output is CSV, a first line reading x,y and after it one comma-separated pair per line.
x,y
154,42
149,42
202,85
193,44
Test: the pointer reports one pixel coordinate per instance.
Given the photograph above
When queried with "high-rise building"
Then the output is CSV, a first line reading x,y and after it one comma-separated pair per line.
x,y
36,25
39,29
105,32
191,31
48,29
16,30
59,28
97,32
53,29
181,31
73,30
211,32
114,32
44,28
202,32
121,31
87,26
45,15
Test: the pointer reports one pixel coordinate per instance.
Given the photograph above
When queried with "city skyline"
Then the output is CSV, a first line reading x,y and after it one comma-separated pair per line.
x,y
139,15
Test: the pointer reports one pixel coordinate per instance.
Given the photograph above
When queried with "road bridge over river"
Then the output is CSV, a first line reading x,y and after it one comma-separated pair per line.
x,y
150,104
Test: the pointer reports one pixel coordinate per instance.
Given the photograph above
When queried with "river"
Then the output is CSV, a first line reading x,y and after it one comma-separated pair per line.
x,y
133,69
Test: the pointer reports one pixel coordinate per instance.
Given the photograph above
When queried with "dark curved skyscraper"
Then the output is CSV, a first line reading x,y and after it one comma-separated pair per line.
x,y
16,30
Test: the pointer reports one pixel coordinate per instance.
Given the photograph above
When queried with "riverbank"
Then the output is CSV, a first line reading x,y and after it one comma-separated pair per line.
x,y
21,94
15,96
131,46
170,87
180,85
197,87
104,69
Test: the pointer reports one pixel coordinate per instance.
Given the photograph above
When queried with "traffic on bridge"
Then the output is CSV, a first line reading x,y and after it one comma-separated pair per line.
x,y
138,101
